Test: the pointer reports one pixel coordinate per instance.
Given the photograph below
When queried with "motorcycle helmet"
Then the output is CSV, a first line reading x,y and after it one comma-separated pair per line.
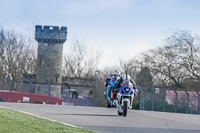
x,y
126,77
116,73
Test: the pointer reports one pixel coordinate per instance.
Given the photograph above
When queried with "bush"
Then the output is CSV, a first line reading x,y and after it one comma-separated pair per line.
x,y
170,108
136,106
147,104
158,105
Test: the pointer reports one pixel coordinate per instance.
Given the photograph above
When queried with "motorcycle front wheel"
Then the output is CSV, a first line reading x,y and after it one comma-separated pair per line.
x,y
125,108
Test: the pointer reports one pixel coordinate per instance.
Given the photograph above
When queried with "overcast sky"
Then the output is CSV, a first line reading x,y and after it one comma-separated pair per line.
x,y
119,28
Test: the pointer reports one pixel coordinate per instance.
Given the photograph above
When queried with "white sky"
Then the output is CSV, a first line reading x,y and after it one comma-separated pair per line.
x,y
119,28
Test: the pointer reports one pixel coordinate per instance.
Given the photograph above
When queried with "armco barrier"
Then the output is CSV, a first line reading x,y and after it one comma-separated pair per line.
x,y
17,96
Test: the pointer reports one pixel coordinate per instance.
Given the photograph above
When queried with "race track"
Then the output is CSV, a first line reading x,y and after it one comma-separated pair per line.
x,y
106,120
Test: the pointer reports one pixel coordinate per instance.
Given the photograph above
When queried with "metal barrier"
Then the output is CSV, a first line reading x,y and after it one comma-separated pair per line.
x,y
168,100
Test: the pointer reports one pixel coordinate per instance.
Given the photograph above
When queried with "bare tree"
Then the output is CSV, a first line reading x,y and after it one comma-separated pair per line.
x,y
175,62
17,56
163,61
144,78
79,62
131,67
187,48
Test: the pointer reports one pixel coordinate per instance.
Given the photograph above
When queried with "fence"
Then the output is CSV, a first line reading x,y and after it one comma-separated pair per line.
x,y
167,100
26,92
152,99
77,92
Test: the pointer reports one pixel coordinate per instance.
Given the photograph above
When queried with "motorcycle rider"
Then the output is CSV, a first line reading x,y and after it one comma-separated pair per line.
x,y
123,78
110,82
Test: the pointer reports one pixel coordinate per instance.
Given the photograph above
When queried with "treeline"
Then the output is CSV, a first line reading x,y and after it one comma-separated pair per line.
x,y
175,63
17,57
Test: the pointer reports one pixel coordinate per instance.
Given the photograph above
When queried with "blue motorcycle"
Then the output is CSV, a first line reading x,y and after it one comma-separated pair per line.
x,y
108,94
125,98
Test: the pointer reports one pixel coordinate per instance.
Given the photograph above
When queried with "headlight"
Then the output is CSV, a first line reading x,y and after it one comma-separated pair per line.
x,y
127,90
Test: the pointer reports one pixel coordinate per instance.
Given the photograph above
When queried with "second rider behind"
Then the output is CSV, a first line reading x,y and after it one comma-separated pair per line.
x,y
111,84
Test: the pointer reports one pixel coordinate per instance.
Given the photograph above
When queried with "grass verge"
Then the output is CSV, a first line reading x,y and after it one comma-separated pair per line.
x,y
16,122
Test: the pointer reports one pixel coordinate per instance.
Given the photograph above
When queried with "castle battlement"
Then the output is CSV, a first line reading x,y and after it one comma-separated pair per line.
x,y
52,34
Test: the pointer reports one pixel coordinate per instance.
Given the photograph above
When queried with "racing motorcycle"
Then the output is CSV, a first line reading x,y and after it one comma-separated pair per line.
x,y
111,103
125,98
110,83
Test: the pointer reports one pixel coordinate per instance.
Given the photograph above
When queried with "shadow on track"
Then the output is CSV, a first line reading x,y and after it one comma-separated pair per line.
x,y
88,115
114,129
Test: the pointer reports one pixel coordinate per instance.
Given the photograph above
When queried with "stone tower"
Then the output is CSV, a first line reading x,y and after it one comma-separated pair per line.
x,y
49,61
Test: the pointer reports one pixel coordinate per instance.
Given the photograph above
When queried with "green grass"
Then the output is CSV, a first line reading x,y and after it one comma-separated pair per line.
x,y
16,122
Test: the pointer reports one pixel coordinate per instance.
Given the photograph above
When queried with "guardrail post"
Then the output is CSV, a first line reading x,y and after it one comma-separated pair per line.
x,y
11,87
152,98
49,91
164,100
31,89
187,102
141,97
176,101
198,108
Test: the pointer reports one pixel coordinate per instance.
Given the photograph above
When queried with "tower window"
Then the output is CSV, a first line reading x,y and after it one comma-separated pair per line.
x,y
56,77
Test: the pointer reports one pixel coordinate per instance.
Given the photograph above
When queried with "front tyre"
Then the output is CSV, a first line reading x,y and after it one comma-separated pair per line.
x,y
108,104
125,108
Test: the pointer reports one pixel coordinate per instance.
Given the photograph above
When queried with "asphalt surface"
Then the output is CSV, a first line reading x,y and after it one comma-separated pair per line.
x,y
106,120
